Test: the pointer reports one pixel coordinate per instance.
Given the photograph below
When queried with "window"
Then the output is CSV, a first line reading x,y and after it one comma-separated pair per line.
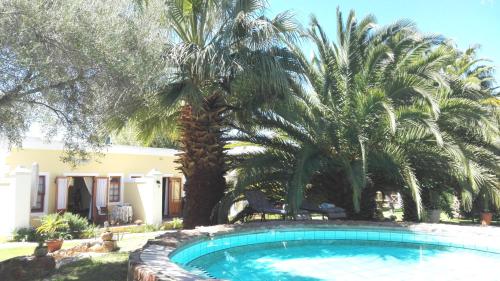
x,y
40,197
114,189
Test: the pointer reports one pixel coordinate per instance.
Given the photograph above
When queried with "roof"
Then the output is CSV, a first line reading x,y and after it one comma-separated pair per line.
x,y
38,143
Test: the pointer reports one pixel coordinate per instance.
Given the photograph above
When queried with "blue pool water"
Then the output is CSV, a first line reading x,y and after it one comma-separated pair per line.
x,y
341,255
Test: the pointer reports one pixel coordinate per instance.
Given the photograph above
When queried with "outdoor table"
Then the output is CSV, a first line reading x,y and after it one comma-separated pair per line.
x,y
122,213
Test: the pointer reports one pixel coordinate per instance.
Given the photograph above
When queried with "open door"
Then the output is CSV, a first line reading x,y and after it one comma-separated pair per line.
x,y
174,197
100,200
62,194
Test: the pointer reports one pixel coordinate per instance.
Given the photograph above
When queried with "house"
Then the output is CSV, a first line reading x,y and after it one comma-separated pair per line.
x,y
34,181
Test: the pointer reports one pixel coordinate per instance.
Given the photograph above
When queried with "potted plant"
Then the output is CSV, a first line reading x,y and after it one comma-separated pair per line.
x,y
54,230
434,214
486,214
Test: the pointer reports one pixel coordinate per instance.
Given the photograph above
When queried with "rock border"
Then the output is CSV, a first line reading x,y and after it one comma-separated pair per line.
x,y
152,262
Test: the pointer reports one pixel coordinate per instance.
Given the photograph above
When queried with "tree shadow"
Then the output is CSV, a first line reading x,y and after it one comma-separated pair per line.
x,y
110,267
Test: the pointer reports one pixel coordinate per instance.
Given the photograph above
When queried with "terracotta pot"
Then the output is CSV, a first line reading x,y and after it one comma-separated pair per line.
x,y
486,218
54,245
40,251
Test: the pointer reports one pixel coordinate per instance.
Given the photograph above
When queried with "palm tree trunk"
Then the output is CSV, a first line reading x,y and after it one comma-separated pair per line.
x,y
368,206
410,212
202,160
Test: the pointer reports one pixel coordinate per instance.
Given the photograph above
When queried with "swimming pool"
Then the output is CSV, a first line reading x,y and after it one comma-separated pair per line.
x,y
342,254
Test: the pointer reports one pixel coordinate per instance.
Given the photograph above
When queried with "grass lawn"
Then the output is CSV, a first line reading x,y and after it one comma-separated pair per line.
x,y
109,267
27,250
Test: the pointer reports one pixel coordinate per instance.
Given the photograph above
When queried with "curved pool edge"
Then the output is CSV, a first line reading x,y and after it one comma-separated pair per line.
x,y
153,261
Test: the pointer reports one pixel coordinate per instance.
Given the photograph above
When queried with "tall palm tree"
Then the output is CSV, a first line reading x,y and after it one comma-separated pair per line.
x,y
224,56
470,122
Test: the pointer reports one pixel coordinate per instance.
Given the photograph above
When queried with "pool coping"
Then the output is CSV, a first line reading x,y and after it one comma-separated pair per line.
x,y
152,261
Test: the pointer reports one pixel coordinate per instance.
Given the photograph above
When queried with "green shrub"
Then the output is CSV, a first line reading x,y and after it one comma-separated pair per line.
x,y
90,232
26,234
54,227
79,227
176,223
76,227
151,228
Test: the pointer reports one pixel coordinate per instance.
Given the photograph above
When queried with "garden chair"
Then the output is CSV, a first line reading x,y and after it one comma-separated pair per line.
x,y
102,215
258,203
330,213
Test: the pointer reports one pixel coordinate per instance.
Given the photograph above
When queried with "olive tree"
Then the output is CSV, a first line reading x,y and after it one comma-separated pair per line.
x,y
73,64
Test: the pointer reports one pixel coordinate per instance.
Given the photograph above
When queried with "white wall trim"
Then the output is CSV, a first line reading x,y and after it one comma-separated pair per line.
x,y
122,185
46,196
81,174
38,143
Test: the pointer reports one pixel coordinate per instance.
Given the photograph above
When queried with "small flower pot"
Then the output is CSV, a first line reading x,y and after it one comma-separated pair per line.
x,y
434,216
486,218
41,251
54,245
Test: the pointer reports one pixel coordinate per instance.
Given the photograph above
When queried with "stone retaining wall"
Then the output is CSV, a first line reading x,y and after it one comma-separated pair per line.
x,y
26,268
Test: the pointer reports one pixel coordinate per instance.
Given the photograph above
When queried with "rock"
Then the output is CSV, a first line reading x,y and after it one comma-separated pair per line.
x,y
40,251
107,236
82,248
26,268
138,222
110,246
98,248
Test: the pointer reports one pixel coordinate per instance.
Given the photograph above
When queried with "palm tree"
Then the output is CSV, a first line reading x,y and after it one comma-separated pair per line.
x,y
470,122
224,56
373,114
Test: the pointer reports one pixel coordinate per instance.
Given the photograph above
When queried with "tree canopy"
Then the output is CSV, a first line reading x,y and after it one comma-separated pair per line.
x,y
381,108
72,64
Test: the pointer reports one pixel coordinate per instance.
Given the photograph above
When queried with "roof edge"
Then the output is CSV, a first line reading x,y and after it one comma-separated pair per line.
x,y
39,144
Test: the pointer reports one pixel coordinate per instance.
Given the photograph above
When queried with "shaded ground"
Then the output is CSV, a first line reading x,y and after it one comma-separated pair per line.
x,y
109,267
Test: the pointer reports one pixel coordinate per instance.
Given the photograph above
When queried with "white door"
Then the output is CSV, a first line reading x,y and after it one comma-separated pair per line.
x,y
62,194
101,196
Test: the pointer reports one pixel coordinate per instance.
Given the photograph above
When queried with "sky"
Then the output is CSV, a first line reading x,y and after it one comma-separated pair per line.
x,y
466,22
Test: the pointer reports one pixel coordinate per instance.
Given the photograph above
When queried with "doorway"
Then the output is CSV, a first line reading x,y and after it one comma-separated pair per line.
x,y
79,197
174,197
171,197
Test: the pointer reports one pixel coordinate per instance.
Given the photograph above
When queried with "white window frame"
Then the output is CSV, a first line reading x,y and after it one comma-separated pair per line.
x,y
46,195
122,189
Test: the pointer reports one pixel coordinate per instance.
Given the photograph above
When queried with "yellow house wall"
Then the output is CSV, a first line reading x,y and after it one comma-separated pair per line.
x,y
111,163
133,197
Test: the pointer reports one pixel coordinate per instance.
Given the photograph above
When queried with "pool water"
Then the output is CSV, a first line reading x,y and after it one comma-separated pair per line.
x,y
348,260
